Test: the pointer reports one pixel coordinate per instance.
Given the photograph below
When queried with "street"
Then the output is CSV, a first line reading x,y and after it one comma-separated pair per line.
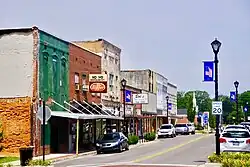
x,y
188,150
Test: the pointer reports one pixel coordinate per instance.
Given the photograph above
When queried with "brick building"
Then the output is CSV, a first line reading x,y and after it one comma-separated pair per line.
x,y
81,64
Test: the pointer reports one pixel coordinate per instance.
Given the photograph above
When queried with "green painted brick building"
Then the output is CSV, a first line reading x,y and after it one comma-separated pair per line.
x,y
53,73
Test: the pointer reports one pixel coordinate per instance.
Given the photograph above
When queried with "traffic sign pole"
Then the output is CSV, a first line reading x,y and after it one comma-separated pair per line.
x,y
44,130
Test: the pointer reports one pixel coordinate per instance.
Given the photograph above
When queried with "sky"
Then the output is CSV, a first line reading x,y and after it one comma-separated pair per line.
x,y
170,37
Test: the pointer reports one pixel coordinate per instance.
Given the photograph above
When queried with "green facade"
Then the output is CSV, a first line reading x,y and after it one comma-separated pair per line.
x,y
53,72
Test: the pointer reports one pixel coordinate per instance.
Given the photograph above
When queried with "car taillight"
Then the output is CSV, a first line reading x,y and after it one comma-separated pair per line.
x,y
222,140
248,141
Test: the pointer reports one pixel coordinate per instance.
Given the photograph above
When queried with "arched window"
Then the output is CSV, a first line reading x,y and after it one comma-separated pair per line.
x,y
45,74
63,79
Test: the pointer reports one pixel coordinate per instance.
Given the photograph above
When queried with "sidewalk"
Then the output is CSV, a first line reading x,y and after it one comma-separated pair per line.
x,y
61,157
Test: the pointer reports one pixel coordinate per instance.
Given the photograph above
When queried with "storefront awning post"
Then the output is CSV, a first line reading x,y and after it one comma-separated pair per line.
x,y
77,137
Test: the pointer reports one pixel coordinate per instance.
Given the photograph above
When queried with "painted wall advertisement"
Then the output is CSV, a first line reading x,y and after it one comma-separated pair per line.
x,y
98,83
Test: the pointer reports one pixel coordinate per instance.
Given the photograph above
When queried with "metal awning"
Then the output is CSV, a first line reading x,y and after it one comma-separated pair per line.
x,y
82,112
66,114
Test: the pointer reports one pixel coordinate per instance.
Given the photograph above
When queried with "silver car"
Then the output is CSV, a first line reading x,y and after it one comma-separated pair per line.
x,y
235,140
166,130
181,129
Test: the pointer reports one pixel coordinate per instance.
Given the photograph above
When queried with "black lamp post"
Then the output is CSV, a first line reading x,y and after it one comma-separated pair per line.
x,y
216,48
167,98
123,84
236,84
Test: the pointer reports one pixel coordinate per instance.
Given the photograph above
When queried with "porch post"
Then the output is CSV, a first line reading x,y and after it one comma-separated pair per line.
x,y
77,136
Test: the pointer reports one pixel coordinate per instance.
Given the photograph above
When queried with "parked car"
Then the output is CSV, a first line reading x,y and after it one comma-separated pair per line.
x,y
235,140
234,127
181,129
166,130
191,128
246,124
115,141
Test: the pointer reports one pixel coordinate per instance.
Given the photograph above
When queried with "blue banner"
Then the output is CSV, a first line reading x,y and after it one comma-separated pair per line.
x,y
208,71
169,106
205,118
245,109
232,96
128,96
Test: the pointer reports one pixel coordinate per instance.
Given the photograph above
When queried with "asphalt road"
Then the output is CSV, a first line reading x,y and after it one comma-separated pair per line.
x,y
189,150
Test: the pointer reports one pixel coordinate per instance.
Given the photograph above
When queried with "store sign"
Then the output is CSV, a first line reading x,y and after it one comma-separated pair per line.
x,y
97,83
141,98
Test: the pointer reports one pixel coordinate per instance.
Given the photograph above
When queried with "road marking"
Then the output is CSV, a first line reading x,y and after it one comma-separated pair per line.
x,y
168,150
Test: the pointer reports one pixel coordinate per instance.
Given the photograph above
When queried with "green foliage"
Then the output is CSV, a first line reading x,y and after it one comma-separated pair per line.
x,y
181,103
231,159
39,163
190,110
150,136
133,139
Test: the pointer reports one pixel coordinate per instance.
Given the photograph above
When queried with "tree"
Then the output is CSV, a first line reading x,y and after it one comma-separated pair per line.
x,y
190,109
227,107
181,103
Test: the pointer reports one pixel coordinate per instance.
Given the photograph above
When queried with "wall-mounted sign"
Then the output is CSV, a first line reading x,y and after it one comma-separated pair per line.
x,y
98,78
98,83
141,98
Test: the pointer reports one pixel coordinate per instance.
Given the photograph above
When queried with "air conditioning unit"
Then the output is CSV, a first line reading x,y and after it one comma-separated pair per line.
x,y
77,87
85,88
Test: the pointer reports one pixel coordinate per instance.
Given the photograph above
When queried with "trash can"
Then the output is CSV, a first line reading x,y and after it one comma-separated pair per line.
x,y
26,154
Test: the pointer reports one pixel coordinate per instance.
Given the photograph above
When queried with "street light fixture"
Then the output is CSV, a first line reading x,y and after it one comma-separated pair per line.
x,y
216,48
236,84
167,98
123,85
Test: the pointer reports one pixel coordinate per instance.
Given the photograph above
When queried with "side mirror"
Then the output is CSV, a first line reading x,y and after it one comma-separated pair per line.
x,y
158,129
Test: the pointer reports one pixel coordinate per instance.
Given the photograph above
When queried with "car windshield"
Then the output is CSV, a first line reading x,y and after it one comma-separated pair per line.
x,y
111,136
180,125
235,127
165,127
236,134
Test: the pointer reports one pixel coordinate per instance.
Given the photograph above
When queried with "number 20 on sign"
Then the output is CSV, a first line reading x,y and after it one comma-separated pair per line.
x,y
217,107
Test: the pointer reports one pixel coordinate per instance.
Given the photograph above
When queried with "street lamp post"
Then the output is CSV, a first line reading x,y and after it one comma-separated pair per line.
x,y
216,48
236,84
167,98
123,84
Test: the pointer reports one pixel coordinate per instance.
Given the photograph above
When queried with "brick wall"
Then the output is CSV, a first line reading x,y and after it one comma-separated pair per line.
x,y
82,62
15,116
185,120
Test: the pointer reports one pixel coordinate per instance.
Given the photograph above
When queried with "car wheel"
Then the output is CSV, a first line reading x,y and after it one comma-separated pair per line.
x,y
193,132
127,147
120,148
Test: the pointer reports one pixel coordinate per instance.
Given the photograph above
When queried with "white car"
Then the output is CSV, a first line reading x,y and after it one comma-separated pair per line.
x,y
191,128
235,140
246,124
234,127
166,130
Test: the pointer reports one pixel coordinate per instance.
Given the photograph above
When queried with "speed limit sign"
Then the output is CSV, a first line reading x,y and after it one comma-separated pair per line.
x,y
217,107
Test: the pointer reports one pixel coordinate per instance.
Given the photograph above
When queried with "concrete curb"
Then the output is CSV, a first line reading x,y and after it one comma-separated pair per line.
x,y
210,165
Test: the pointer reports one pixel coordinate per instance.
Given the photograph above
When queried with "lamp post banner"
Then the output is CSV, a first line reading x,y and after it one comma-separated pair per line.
x,y
208,71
